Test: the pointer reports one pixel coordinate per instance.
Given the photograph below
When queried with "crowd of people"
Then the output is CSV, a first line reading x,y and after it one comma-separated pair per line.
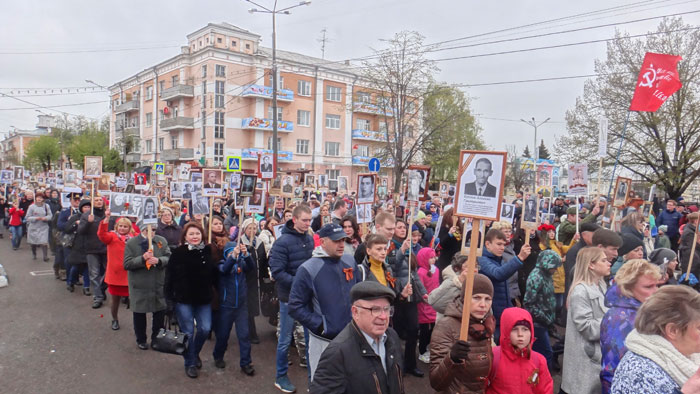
x,y
365,304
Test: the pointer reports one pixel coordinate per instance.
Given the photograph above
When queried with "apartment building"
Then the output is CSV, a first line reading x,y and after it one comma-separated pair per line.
x,y
214,99
14,145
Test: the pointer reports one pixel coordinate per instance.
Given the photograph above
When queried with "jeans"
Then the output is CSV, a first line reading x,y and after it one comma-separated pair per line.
x,y
74,271
541,344
187,314
97,264
285,338
224,322
16,232
140,325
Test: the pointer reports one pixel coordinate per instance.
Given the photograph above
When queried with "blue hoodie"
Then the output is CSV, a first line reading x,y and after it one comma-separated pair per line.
x,y
232,284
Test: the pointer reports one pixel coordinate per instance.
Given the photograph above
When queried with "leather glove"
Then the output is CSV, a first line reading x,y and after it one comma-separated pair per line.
x,y
459,351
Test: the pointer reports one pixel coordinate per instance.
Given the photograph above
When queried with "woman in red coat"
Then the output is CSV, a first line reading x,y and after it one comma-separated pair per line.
x,y
115,275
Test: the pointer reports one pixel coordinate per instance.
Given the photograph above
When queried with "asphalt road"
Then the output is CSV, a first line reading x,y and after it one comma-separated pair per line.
x,y
52,341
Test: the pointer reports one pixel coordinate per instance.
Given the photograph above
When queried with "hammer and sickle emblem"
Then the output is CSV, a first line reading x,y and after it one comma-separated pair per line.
x,y
649,78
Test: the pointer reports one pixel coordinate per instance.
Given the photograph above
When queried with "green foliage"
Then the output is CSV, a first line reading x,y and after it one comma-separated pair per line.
x,y
41,153
543,151
526,152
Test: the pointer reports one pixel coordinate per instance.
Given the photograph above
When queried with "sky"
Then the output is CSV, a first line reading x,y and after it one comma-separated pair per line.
x,y
59,44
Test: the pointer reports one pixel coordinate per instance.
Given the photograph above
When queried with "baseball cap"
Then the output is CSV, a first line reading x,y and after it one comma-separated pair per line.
x,y
332,231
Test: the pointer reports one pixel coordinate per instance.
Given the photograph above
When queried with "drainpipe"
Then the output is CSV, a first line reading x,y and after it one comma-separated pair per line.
x,y
313,148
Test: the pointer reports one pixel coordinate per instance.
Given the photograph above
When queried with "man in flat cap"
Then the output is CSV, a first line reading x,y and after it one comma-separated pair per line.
x,y
366,356
567,228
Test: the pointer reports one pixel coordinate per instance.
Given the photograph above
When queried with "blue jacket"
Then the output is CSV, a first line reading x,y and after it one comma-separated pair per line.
x,y
63,218
289,252
499,272
232,280
670,219
320,296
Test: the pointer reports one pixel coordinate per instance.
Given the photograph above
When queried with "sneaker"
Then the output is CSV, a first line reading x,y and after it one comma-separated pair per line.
x,y
284,385
192,371
248,370
96,304
425,357
70,288
115,325
86,291
221,364
302,362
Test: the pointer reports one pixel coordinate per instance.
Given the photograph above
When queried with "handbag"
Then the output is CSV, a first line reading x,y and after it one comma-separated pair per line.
x,y
169,340
66,240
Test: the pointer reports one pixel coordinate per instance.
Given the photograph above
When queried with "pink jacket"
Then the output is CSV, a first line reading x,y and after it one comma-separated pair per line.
x,y
431,281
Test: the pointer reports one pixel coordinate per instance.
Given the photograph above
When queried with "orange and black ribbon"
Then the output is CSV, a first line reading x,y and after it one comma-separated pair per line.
x,y
391,279
348,273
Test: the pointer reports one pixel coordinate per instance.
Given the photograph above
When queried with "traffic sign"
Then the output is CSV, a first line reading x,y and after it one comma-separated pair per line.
x,y
374,165
233,163
160,168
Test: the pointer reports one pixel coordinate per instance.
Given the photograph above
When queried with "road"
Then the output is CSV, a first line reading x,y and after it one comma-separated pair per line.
x,y
52,341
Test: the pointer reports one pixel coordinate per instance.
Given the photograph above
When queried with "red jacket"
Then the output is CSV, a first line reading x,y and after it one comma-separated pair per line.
x,y
115,274
517,371
16,215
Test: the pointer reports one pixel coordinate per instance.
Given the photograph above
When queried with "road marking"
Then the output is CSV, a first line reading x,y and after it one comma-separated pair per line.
x,y
41,273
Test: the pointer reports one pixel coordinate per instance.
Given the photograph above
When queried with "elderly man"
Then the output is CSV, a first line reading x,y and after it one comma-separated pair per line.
x,y
320,295
567,228
366,356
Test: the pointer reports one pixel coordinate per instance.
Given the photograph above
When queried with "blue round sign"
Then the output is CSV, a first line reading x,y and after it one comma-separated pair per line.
x,y
374,165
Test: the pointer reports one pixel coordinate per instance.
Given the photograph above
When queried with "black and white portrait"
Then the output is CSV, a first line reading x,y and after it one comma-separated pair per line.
x,y
92,167
266,168
479,184
287,185
507,211
343,184
322,181
413,192
622,189
18,173
333,185
483,169
364,213
530,210
365,189
309,182
234,181
149,213
176,190
256,202
196,177
247,185
6,176
200,204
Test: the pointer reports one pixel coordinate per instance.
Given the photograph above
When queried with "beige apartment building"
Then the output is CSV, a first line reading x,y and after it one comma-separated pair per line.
x,y
214,99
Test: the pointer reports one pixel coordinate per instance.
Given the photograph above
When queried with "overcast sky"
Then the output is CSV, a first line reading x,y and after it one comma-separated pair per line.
x,y
81,30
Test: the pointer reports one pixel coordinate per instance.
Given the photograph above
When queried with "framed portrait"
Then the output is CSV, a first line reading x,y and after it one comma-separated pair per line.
x,y
266,166
333,185
92,167
366,188
622,190
119,204
578,179
18,172
239,201
248,183
364,213
140,181
309,182
275,185
176,190
424,178
6,176
105,181
196,176
288,185
234,180
444,191
121,182
256,202
184,172
200,203
298,192
212,182
149,213
322,181
480,183
413,179
646,210
530,216
507,212
71,177
343,185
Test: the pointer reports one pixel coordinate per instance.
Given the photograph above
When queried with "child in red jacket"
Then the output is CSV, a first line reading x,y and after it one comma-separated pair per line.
x,y
16,215
516,368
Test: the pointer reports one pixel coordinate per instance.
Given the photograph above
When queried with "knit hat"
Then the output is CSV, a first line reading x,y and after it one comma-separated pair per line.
x,y
415,228
482,285
605,237
629,243
523,323
592,227
571,211
247,223
420,215
662,256
663,228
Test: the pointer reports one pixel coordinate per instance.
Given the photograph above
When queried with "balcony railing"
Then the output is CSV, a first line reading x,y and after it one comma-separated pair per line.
x,y
368,108
176,123
128,106
266,93
364,161
252,154
177,154
177,91
130,131
133,157
266,124
368,135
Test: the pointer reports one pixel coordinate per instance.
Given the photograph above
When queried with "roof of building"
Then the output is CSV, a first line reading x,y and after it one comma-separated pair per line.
x,y
309,60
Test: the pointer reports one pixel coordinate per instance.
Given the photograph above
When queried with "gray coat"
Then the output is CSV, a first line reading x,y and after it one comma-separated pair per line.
x,y
582,355
38,230
441,297
146,287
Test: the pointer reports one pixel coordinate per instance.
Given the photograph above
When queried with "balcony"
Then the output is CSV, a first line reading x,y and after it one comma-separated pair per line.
x,y
127,107
130,131
177,91
368,108
363,161
177,154
265,92
266,124
368,135
133,157
252,154
177,123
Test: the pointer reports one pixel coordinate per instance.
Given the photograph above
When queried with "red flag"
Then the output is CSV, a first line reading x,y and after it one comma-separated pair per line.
x,y
657,81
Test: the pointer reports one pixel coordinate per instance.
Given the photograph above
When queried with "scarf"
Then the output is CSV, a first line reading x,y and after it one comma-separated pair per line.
x,y
247,242
477,327
200,246
659,350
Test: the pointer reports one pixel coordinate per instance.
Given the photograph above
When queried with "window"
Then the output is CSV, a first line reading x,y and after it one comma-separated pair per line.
x,y
161,143
270,112
280,80
364,97
333,93
332,121
204,125
149,119
204,87
161,86
204,70
382,127
363,124
303,147
149,92
269,143
333,174
220,70
411,107
362,150
218,152
162,114
220,86
332,148
218,124
173,142
219,99
383,102
304,88
219,40
247,46
409,131
175,80
303,118
149,149
233,43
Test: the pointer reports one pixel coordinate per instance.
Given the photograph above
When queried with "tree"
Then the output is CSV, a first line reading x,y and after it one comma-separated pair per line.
x,y
543,151
92,139
41,152
401,77
516,175
446,110
662,147
526,152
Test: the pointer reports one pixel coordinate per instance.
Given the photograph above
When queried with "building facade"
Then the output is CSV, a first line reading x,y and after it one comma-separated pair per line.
x,y
16,142
214,100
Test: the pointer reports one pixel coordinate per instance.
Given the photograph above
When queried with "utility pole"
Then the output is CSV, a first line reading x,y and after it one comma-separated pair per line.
x,y
274,11
535,125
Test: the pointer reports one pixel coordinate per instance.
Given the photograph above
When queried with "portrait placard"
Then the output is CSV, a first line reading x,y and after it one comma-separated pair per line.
x,y
256,202
149,213
248,183
266,166
366,188
212,184
530,216
92,167
507,212
364,213
309,182
423,179
480,183
622,190
578,179
343,185
287,185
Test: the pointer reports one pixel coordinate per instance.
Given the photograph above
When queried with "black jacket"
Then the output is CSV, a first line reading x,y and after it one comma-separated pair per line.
x,y
288,252
350,365
171,233
190,276
92,244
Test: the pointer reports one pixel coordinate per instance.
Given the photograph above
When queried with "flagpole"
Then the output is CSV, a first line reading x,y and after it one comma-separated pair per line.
x,y
617,157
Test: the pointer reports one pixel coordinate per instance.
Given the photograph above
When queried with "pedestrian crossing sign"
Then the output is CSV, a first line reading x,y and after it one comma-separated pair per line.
x,y
160,168
233,163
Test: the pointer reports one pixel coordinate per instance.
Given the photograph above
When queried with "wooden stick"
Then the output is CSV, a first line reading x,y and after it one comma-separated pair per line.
x,y
92,195
241,220
577,215
482,239
469,285
410,238
211,214
463,250
692,253
600,175
149,235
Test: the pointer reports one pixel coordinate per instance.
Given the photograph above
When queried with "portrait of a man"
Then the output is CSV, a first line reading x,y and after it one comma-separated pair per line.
x,y
343,183
117,204
366,189
93,166
507,211
530,210
288,184
323,181
235,181
5,176
266,168
414,182
483,169
248,185
150,210
309,182
211,183
19,173
200,204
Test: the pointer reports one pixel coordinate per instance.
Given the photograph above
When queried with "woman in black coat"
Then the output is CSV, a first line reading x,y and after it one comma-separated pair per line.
x,y
77,260
450,239
251,242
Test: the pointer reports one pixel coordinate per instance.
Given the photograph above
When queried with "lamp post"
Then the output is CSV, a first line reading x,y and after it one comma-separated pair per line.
x,y
535,125
274,11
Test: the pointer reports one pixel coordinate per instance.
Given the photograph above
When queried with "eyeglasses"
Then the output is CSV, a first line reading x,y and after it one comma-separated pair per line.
x,y
378,311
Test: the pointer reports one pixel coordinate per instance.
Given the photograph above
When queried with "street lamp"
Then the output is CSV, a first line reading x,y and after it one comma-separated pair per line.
x,y
534,124
274,11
